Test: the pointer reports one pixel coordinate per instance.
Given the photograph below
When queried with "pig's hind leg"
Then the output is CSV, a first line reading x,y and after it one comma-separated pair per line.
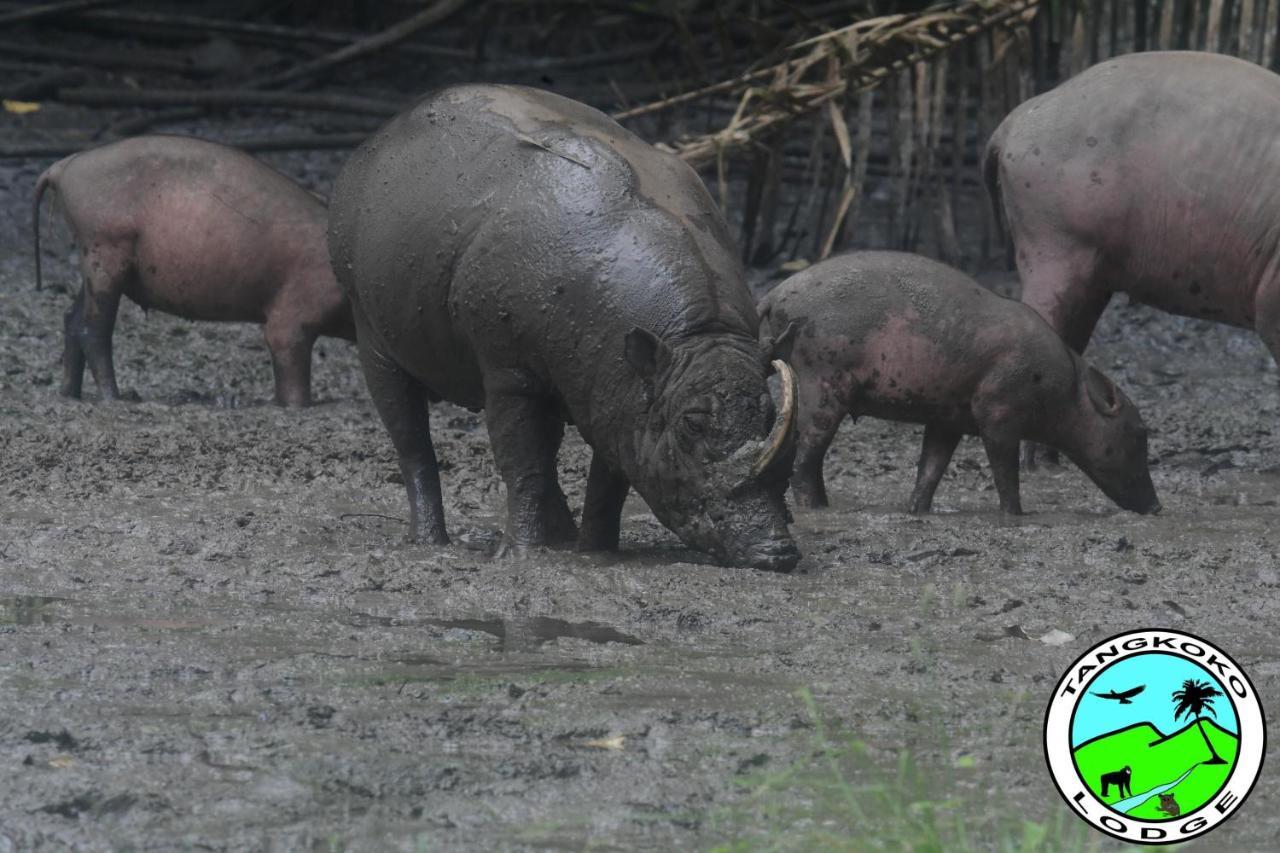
x,y
939,446
73,360
1267,317
290,343
402,404
1062,287
90,325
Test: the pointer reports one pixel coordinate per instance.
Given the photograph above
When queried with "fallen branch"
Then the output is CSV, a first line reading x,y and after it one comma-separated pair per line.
x,y
298,142
146,121
200,27
587,60
38,87
226,98
135,60
347,515
433,14
48,9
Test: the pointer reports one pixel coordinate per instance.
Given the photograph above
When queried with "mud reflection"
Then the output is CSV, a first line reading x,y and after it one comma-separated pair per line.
x,y
513,633
28,609
527,632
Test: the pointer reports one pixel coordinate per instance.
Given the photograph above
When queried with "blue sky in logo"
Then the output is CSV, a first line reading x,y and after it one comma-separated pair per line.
x,y
1162,674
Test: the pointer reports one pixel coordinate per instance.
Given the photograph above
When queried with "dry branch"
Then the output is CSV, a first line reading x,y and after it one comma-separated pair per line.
x,y
40,86
292,142
201,27
47,9
226,98
866,53
434,13
134,60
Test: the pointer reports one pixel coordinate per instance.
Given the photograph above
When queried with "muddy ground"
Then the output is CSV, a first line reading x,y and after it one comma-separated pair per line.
x,y
213,637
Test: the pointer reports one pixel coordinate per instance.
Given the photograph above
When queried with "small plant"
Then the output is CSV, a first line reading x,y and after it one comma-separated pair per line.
x,y
840,796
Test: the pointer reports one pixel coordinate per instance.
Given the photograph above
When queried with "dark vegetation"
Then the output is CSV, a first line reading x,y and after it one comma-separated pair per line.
x,y
821,125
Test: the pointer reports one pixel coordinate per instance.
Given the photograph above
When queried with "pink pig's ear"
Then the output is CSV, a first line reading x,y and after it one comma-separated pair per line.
x,y
1103,393
779,348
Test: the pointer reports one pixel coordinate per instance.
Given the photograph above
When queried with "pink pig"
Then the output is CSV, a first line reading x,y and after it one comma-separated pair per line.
x,y
904,338
202,231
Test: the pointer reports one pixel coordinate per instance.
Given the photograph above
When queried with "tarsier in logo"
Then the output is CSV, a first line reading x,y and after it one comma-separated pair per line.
x,y
1154,736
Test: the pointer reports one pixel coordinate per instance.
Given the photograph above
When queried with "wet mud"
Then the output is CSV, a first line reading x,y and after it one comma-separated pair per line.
x,y
212,635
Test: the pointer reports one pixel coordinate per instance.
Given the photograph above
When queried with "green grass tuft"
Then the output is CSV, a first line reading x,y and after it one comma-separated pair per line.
x,y
840,797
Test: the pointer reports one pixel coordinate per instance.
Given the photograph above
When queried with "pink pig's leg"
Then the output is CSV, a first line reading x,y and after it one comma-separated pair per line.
x,y
1061,288
106,269
290,346
821,412
939,445
73,351
1001,430
1267,317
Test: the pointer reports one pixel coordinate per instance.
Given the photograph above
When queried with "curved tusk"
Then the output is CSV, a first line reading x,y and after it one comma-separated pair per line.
x,y
785,425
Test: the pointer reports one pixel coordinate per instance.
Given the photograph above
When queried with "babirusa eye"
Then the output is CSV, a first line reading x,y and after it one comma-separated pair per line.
x,y
695,422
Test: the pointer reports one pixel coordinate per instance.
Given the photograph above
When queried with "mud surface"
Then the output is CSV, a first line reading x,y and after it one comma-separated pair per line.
x,y
212,636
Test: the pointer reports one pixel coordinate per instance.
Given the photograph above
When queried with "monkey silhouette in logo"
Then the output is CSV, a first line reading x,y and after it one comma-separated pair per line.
x,y
1119,778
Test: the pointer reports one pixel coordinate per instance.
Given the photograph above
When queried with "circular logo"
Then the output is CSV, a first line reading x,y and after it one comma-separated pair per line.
x,y
1154,737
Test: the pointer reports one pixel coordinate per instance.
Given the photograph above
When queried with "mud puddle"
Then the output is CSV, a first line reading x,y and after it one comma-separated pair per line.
x,y
512,634
55,610
217,607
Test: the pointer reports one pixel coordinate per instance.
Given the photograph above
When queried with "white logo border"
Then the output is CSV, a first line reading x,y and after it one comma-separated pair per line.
x,y
1071,688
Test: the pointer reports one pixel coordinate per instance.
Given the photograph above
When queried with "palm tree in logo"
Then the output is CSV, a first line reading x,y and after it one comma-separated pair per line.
x,y
1194,699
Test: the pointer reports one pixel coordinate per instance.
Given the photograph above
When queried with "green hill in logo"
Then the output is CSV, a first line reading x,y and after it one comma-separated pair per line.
x,y
1166,776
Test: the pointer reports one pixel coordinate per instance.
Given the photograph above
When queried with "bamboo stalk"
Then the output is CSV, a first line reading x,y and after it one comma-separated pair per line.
x,y
959,135
1245,45
1168,10
1114,49
1212,42
434,13
817,159
861,160
1079,43
904,152
1093,17
1269,34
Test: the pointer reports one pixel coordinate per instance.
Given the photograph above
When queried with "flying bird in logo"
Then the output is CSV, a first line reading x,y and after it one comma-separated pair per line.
x,y
1123,696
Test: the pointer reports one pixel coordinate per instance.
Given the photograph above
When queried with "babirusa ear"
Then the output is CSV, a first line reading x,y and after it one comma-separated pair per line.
x,y
1103,393
642,348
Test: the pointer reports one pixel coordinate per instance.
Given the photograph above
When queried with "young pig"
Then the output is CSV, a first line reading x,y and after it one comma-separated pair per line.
x,y
904,338
199,230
